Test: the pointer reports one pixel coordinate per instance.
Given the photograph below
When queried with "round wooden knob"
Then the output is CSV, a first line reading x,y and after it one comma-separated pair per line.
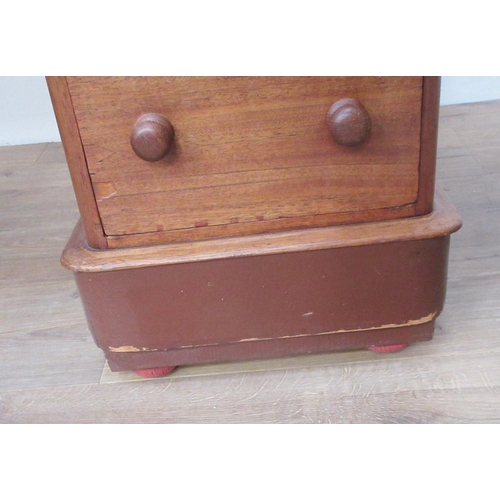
x,y
349,122
152,137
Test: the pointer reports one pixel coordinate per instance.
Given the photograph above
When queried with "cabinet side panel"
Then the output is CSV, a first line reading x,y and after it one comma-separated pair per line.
x,y
75,156
428,140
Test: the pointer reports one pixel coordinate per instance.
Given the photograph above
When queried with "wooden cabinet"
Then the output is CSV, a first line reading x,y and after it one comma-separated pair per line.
x,y
247,155
200,180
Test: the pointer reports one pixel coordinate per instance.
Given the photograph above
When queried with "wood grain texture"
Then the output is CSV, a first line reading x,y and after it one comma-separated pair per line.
x,y
428,150
443,221
75,155
454,378
205,232
251,154
370,393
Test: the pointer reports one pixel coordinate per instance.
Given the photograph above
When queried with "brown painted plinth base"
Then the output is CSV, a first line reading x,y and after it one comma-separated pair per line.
x,y
316,290
271,348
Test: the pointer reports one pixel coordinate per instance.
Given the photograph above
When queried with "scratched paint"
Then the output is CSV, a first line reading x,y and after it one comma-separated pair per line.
x,y
412,322
131,348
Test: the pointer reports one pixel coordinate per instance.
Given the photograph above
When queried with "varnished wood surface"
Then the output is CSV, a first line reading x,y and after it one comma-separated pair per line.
x,y
444,220
50,371
250,154
75,155
428,144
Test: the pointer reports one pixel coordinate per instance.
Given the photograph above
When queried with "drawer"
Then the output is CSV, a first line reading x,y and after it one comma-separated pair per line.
x,y
248,154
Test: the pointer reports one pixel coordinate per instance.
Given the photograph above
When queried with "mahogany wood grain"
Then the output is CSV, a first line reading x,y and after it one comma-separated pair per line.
x,y
75,156
428,140
268,196
251,154
248,228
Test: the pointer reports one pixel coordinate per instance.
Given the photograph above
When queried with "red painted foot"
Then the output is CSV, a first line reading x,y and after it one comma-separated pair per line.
x,y
154,372
388,348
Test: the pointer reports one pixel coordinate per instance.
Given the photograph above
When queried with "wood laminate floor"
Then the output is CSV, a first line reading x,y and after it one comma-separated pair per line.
x,y
51,371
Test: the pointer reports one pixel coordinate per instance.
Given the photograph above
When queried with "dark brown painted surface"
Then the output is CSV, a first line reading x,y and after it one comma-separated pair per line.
x,y
270,348
298,296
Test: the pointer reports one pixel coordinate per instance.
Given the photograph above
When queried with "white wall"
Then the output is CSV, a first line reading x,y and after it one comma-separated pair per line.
x,y
26,115
463,89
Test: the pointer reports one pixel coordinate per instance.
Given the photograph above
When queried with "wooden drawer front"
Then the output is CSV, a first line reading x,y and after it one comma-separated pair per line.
x,y
251,154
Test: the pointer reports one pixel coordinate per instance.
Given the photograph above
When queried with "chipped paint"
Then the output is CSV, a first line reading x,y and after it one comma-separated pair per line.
x,y
411,322
131,348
